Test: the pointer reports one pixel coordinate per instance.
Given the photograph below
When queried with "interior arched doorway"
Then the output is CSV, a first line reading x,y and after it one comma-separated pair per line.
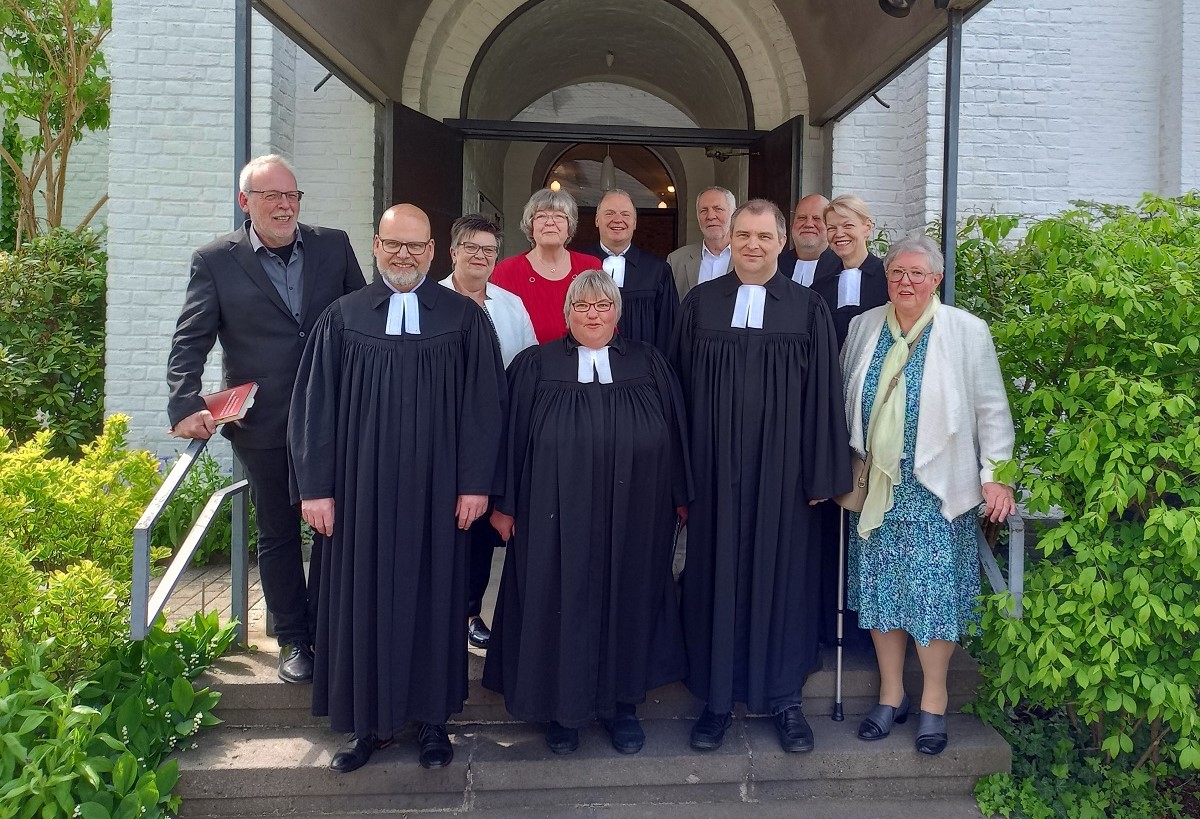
x,y
639,171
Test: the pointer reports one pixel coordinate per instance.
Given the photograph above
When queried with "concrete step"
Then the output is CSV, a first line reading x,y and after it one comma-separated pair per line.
x,y
507,767
962,807
251,693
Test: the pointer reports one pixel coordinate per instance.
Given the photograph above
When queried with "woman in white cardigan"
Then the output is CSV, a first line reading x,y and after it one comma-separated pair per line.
x,y
935,440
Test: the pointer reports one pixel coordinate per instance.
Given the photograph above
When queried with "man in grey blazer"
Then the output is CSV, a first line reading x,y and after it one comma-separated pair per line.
x,y
692,264
259,290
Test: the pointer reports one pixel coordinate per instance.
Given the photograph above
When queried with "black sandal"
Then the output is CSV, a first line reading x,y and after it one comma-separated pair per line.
x,y
877,724
931,733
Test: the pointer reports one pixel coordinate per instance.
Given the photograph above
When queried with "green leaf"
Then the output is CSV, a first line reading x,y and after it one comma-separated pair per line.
x,y
124,773
182,695
93,810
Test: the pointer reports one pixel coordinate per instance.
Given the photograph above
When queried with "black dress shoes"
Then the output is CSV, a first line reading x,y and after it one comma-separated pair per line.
x,y
436,750
794,734
295,663
709,731
355,753
560,739
478,634
625,730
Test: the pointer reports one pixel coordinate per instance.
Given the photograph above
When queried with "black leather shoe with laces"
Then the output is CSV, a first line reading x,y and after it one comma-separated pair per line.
x,y
709,731
355,753
560,739
436,750
295,663
625,730
794,734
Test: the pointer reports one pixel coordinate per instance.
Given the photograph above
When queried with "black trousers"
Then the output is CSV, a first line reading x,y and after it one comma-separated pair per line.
x,y
291,599
483,539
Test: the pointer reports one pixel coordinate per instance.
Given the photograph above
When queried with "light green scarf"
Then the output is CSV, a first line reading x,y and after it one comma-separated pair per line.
x,y
885,434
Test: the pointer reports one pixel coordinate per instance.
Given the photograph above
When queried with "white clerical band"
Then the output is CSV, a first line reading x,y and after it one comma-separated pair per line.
x,y
849,285
804,272
615,267
748,309
594,363
403,312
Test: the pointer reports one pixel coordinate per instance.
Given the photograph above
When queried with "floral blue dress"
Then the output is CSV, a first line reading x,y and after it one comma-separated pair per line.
x,y
917,571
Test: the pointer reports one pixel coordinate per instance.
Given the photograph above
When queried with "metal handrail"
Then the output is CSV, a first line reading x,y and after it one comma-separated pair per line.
x,y
144,609
1015,584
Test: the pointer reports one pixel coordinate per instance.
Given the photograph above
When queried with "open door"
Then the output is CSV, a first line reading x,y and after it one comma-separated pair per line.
x,y
425,167
775,165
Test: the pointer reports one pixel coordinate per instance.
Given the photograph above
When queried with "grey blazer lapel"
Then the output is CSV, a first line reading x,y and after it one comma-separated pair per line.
x,y
243,253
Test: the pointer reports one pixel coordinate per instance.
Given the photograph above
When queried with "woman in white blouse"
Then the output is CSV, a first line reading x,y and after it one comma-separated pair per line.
x,y
935,438
474,246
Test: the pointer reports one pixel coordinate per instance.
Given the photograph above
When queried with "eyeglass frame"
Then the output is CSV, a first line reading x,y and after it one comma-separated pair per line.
x,y
293,197
556,216
489,251
914,276
401,245
588,305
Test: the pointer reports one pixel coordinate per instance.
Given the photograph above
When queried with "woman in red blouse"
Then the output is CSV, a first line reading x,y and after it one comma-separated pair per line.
x,y
541,277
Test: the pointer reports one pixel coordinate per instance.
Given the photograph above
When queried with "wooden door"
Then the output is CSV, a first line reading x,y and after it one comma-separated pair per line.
x,y
775,165
425,160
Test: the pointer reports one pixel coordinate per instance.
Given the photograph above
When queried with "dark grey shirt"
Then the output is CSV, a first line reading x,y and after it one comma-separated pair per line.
x,y
287,278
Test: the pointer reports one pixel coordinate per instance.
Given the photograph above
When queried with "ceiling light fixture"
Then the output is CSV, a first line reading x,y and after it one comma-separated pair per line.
x,y
901,8
555,185
608,172
609,58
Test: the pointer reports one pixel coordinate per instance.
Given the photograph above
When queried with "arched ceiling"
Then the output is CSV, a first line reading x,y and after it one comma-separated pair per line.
x,y
847,48
557,43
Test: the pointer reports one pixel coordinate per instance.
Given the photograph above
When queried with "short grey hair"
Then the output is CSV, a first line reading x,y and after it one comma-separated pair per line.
x,y
546,199
758,207
593,282
261,163
917,243
729,197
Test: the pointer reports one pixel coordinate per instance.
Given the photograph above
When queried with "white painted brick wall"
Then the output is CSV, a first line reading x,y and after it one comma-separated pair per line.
x,y
171,176
335,156
171,187
1060,101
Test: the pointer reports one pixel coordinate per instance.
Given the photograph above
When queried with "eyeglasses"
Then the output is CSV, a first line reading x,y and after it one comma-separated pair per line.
x,y
275,196
393,246
584,306
470,248
550,217
915,276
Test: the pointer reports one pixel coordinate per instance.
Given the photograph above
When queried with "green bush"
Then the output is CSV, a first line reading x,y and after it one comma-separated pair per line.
x,y
1096,316
52,339
66,546
96,749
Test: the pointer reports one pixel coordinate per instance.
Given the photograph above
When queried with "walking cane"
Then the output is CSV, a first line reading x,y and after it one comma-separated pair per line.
x,y
838,716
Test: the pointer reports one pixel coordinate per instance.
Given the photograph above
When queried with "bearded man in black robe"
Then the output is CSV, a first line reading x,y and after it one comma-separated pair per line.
x,y
757,358
395,429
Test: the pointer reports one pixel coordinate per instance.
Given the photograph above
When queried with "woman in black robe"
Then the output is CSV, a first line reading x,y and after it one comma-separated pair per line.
x,y
586,621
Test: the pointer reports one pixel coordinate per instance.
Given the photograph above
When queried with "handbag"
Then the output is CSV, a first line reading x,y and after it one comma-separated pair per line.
x,y
860,467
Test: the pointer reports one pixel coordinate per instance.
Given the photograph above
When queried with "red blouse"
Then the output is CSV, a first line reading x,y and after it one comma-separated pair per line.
x,y
543,298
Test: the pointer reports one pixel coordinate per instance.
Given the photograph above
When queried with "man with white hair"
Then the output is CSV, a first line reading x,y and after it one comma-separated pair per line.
x,y
711,258
259,290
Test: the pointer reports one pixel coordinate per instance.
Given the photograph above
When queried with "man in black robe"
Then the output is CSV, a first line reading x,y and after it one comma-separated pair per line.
x,y
810,257
648,296
395,429
757,359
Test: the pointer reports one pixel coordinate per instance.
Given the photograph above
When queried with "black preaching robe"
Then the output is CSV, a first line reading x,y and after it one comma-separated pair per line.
x,y
395,428
587,614
872,293
649,300
768,433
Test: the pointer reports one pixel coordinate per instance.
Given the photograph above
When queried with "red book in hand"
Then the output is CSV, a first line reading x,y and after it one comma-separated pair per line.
x,y
231,404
